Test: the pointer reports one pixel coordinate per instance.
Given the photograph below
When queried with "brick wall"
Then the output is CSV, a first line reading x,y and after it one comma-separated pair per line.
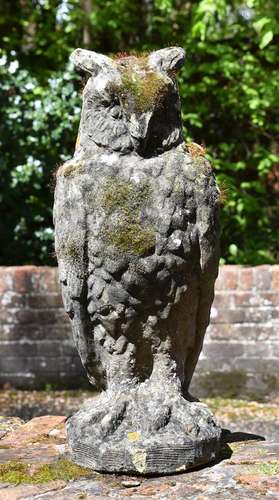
x,y
241,349
35,342
240,352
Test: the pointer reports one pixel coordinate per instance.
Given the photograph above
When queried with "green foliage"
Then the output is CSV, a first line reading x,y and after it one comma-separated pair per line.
x,y
229,88
37,132
231,103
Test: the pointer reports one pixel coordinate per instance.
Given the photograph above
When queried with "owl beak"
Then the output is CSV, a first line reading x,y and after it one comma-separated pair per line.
x,y
139,129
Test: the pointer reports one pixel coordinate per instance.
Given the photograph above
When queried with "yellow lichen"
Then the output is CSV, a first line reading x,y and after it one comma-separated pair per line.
x,y
133,436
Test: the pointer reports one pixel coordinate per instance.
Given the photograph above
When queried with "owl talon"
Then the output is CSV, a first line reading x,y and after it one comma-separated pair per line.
x,y
161,418
113,419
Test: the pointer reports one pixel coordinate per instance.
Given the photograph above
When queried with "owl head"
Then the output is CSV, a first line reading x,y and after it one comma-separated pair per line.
x,y
130,103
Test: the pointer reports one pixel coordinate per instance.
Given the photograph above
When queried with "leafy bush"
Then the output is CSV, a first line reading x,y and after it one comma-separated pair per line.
x,y
229,88
37,133
230,103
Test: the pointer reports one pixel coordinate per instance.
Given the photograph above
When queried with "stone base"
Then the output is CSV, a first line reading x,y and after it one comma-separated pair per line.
x,y
247,469
143,432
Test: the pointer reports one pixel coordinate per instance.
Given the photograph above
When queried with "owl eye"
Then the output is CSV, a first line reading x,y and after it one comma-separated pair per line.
x,y
116,111
105,102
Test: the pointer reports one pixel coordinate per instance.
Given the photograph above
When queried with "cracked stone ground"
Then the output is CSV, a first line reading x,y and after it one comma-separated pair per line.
x,y
34,462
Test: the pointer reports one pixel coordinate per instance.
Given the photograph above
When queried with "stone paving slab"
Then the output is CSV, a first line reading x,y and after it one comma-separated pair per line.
x,y
247,469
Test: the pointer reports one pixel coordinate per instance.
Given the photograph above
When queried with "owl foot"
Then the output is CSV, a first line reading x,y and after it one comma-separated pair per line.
x,y
143,430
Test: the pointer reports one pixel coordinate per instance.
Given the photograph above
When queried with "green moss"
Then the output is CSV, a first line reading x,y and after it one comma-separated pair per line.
x,y
140,58
221,403
124,196
17,472
131,237
70,169
70,249
268,469
145,87
126,232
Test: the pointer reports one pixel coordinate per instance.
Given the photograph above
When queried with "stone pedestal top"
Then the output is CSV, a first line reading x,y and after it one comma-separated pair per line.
x,y
36,453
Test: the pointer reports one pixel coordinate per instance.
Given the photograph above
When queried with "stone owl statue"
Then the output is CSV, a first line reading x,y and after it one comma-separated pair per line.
x,y
136,237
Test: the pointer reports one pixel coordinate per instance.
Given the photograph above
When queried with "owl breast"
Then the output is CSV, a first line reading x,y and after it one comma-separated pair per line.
x,y
142,238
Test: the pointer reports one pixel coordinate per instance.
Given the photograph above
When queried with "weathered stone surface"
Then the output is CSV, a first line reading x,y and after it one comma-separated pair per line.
x,y
8,424
137,197
28,491
244,469
34,430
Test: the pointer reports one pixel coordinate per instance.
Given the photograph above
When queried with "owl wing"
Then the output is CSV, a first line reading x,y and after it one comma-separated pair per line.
x,y
207,231
71,249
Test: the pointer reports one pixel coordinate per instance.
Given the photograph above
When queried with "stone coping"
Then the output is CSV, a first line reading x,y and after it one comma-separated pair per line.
x,y
247,468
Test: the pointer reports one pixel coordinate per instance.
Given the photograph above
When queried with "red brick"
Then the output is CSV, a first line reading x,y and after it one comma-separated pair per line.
x,y
275,313
275,278
242,331
245,281
6,316
271,298
243,315
255,299
262,277
228,278
45,280
35,331
40,316
6,280
19,331
45,300
223,300
257,364
22,278
10,299
221,349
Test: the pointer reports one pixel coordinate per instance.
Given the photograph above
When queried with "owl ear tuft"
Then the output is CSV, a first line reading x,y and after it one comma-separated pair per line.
x,y
91,62
167,60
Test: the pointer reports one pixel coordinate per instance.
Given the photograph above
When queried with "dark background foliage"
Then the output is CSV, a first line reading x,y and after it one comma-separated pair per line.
x,y
229,88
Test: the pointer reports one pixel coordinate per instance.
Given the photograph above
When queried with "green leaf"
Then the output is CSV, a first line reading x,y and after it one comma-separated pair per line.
x,y
233,250
258,25
266,39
